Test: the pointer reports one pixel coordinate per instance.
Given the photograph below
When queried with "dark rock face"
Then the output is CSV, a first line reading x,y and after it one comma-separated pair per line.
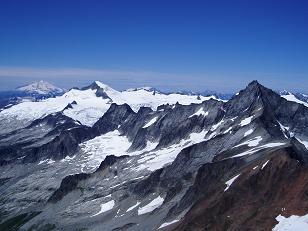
x,y
302,97
114,117
109,161
255,198
64,144
147,186
62,137
54,136
68,184
99,91
70,105
171,124
71,182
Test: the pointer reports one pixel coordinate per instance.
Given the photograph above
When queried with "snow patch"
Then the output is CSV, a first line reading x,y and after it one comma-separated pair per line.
x,y
283,129
200,112
134,206
156,159
264,164
167,223
292,98
229,182
292,223
51,161
248,132
197,137
256,149
252,142
305,143
232,119
152,121
215,126
246,121
105,207
154,204
228,130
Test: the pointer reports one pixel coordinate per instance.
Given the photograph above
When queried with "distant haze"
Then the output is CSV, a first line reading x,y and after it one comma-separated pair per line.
x,y
10,78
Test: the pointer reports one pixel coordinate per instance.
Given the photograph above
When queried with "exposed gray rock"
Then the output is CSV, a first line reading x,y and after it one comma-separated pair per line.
x,y
218,140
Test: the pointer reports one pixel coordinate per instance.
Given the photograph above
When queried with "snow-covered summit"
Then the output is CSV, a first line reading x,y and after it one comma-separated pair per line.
x,y
98,85
41,87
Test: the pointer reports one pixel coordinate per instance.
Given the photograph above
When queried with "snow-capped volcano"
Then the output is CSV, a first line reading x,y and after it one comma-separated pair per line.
x,y
41,87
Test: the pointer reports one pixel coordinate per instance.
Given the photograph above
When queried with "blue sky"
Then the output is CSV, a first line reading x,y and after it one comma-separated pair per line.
x,y
193,45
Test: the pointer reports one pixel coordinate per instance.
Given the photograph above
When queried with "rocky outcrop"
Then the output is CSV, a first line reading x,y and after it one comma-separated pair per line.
x,y
71,182
113,118
263,190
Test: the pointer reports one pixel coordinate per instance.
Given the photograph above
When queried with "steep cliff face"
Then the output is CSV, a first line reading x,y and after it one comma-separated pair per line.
x,y
276,185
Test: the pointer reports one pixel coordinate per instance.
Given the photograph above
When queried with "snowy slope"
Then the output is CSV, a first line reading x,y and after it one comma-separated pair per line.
x,y
292,223
89,107
293,98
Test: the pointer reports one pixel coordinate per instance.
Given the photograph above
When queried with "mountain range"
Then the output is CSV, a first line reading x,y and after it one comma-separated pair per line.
x,y
96,158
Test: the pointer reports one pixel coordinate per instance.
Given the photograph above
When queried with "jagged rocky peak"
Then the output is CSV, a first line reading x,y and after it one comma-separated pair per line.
x,y
114,117
253,87
98,85
145,110
119,108
70,105
53,119
254,97
102,89
41,87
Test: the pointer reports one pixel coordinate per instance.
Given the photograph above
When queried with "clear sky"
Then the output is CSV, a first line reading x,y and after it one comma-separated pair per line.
x,y
169,44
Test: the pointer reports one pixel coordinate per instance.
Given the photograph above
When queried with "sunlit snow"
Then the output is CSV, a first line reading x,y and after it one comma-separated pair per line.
x,y
229,182
264,164
246,121
292,98
305,143
168,223
101,146
248,132
105,207
134,206
215,126
200,112
152,121
252,142
154,204
256,149
292,223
